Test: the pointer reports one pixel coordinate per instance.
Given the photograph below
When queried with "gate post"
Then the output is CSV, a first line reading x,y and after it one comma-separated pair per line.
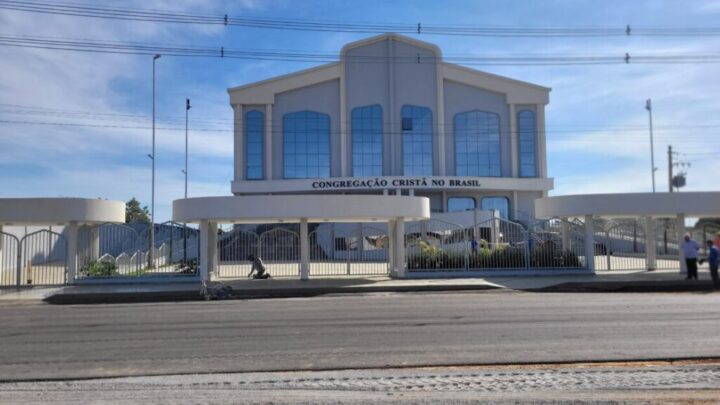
x,y
680,229
391,245
72,251
208,249
400,247
565,233
650,247
304,250
589,243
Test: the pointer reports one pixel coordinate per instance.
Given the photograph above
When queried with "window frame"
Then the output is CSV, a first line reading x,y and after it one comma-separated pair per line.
x,y
247,117
414,139
461,197
497,197
521,141
363,138
312,144
467,161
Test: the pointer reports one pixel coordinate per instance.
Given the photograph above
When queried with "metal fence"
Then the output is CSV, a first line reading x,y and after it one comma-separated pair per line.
x,y
494,244
123,251
348,249
43,259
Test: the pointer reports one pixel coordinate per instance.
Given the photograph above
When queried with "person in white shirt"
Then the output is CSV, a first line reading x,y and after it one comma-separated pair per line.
x,y
690,250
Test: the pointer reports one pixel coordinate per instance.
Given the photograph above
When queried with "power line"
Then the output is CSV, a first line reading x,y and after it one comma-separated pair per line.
x,y
419,28
306,56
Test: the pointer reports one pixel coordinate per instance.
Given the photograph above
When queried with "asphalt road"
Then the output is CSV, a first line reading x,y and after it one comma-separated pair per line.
x,y
357,331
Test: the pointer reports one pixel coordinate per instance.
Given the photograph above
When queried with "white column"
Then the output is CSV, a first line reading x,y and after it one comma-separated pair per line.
x,y
514,160
440,136
72,251
542,149
94,243
680,226
2,242
391,245
205,260
212,249
268,163
589,243
650,247
400,247
343,127
305,250
239,139
565,233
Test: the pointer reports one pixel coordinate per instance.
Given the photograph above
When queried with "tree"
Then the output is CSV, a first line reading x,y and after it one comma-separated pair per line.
x,y
135,213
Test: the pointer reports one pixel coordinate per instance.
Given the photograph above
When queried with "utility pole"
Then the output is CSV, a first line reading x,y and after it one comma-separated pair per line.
x,y
670,168
648,106
151,253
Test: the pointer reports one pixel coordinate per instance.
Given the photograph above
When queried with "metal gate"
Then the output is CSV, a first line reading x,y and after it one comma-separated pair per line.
x,y
557,243
280,251
348,249
502,244
666,244
234,247
43,259
436,245
9,260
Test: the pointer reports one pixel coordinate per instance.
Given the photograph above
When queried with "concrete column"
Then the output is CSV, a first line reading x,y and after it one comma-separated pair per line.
x,y
239,138
94,243
650,247
2,242
541,160
589,243
514,160
305,250
391,245
204,250
72,251
400,247
267,161
441,131
565,234
212,249
680,226
343,127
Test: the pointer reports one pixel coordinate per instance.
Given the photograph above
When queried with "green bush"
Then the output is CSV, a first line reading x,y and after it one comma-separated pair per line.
x,y
100,269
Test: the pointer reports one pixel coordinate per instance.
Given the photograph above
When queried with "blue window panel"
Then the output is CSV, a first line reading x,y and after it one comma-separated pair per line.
x,y
461,204
417,132
477,144
501,204
254,138
527,135
306,145
367,141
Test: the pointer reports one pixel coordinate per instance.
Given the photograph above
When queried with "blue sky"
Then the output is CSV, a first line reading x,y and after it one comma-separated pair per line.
x,y
596,121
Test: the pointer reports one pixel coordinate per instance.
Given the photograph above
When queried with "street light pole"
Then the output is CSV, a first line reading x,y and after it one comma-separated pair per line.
x,y
151,253
187,110
648,106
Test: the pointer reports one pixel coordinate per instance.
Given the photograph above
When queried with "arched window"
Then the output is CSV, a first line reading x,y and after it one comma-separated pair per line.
x,y
367,141
477,144
254,134
501,204
461,204
306,145
526,138
417,134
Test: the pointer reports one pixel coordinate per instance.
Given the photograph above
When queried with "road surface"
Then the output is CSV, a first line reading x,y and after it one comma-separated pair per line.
x,y
354,331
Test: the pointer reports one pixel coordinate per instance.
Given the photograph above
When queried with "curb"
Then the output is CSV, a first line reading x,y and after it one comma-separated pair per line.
x,y
194,295
630,287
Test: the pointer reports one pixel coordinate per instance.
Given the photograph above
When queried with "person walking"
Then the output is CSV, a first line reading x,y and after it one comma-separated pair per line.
x,y
716,242
690,249
713,259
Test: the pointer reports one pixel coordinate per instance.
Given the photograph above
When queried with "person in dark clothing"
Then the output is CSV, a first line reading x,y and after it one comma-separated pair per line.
x,y
713,259
258,268
689,248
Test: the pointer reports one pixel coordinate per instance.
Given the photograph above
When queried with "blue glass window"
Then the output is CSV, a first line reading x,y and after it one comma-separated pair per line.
x,y
254,134
367,141
417,132
306,147
477,144
501,204
461,204
526,138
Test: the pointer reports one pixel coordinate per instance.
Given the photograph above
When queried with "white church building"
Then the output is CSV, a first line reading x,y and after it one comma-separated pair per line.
x,y
390,117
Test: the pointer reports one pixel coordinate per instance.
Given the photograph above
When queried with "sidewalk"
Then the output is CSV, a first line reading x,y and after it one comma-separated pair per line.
x,y
617,281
